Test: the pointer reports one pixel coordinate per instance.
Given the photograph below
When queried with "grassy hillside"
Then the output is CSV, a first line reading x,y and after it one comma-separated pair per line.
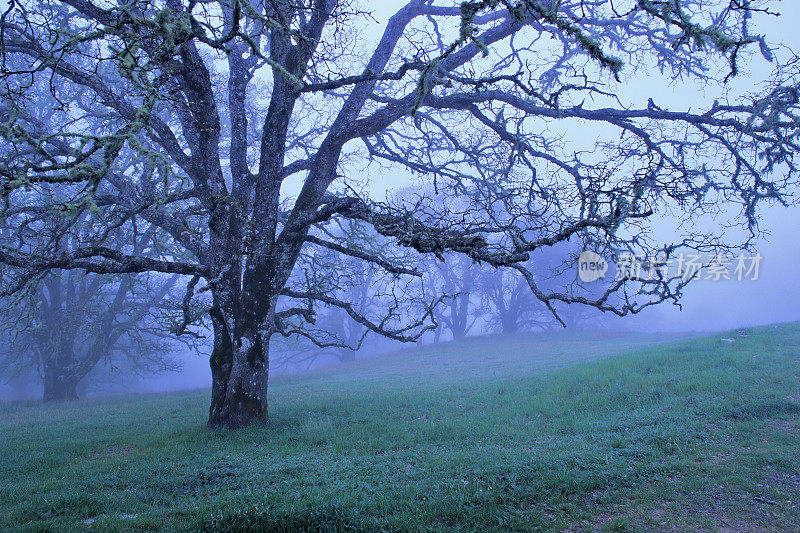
x,y
482,435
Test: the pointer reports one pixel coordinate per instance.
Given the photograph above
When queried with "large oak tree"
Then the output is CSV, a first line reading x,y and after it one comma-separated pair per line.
x,y
253,124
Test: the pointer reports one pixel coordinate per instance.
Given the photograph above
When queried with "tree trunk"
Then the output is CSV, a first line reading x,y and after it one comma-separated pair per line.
x,y
59,387
509,323
458,320
240,374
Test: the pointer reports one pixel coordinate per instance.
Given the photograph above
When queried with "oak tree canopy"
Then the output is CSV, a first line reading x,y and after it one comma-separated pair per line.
x,y
243,131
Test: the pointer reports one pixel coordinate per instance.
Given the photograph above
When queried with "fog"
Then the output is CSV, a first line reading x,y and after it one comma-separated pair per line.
x,y
707,306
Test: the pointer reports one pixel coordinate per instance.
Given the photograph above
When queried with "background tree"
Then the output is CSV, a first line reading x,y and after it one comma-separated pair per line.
x,y
72,323
512,306
66,323
337,330
478,97
456,279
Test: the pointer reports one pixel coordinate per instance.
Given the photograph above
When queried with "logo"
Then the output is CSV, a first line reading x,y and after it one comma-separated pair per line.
x,y
591,266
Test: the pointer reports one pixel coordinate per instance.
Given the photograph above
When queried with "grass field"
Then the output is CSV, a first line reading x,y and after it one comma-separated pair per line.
x,y
483,435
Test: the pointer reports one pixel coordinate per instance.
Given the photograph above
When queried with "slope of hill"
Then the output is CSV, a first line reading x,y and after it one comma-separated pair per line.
x,y
486,434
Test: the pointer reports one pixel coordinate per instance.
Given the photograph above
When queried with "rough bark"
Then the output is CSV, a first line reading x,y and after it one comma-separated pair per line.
x,y
240,374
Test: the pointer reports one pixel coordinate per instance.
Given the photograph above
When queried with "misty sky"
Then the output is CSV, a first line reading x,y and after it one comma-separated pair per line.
x,y
713,305
775,296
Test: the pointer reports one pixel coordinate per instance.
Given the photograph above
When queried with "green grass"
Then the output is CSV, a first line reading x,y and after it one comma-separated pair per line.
x,y
482,435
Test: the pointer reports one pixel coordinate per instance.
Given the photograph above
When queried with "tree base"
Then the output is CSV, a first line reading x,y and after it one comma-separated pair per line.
x,y
239,413
60,392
